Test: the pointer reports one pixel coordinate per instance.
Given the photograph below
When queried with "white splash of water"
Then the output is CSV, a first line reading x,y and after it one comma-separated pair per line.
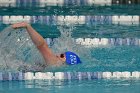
x,y
17,52
66,43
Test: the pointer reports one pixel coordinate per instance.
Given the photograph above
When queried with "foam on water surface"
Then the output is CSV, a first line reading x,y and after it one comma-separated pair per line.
x,y
17,50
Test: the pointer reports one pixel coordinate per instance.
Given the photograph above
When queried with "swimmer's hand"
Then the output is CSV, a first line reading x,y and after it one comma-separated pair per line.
x,y
19,25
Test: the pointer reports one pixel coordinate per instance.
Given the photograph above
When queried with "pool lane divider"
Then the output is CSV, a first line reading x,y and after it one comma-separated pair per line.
x,y
68,75
54,20
96,42
68,2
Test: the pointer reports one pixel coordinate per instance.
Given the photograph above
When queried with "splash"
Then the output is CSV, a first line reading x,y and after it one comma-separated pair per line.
x,y
17,52
66,43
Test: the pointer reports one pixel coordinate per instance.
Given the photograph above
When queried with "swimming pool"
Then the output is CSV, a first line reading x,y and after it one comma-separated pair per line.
x,y
105,34
98,86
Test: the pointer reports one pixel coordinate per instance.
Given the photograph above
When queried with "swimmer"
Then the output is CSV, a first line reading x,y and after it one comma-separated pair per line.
x,y
51,59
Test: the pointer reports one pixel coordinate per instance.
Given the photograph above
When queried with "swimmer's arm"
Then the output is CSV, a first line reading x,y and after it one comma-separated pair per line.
x,y
49,57
39,41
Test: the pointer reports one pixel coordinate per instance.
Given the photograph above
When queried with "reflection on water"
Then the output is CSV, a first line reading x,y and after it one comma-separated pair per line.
x,y
60,86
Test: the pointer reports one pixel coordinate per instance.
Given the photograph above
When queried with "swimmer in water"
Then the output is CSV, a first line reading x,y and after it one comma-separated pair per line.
x,y
51,59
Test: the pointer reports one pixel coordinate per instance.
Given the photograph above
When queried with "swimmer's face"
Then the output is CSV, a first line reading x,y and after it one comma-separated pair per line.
x,y
62,57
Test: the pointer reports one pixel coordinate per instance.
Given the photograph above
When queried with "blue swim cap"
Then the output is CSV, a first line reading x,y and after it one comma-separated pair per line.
x,y
72,58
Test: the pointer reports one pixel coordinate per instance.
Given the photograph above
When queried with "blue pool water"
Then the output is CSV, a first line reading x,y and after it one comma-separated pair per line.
x,y
97,86
105,36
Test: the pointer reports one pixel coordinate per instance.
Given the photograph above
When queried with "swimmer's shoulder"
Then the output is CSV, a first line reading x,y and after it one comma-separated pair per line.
x,y
49,56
